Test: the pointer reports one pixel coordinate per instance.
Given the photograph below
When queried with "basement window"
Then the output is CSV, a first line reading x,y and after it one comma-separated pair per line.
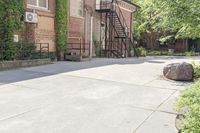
x,y
38,3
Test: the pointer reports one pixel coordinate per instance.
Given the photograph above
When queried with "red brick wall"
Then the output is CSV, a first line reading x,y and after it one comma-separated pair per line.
x,y
44,30
180,46
80,27
127,16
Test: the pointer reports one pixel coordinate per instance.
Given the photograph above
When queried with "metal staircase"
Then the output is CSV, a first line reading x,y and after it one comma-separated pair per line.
x,y
118,38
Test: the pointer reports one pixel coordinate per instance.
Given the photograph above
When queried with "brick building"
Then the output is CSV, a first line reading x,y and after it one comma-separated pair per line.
x,y
107,23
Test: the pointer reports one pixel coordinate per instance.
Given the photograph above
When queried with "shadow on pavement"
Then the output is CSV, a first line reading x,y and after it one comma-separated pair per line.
x,y
22,74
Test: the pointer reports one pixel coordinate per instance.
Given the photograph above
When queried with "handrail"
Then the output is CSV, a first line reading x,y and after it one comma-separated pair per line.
x,y
43,48
121,17
103,5
77,47
113,6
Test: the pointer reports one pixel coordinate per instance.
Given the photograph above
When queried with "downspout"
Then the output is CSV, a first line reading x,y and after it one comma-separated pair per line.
x,y
86,29
91,37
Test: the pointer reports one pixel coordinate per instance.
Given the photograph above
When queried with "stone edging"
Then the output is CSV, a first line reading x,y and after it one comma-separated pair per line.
x,y
5,65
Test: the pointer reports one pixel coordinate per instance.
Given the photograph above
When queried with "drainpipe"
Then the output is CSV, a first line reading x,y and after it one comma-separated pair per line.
x,y
86,29
91,37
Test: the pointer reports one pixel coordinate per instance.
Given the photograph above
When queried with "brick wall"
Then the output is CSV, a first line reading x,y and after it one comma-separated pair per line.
x,y
128,18
44,31
79,25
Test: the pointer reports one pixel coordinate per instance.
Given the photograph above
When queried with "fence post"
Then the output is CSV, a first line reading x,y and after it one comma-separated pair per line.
x,y
40,51
48,50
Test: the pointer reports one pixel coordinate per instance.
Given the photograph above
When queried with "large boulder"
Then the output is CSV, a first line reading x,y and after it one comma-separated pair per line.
x,y
179,71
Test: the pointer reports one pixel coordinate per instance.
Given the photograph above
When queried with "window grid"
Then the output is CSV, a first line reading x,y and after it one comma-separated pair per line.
x,y
38,6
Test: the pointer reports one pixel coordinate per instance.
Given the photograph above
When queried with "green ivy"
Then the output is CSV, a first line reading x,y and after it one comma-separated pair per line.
x,y
11,12
61,26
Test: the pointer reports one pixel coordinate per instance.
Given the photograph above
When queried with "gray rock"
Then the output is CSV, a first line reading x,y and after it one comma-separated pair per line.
x,y
179,71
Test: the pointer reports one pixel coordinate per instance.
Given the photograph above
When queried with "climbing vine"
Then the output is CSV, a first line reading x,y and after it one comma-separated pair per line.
x,y
61,26
11,12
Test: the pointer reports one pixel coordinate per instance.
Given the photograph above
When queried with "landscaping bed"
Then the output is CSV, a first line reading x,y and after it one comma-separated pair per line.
x,y
189,101
143,52
5,65
188,106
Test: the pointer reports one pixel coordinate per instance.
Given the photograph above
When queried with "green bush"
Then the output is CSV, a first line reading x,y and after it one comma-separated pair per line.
x,y
165,53
154,52
25,50
52,56
190,53
141,52
190,99
158,53
196,67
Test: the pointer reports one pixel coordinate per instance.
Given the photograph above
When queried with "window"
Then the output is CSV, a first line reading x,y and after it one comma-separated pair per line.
x,y
76,8
81,8
38,3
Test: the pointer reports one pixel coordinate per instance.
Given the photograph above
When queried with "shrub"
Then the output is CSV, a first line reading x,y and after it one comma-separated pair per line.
x,y
196,67
52,56
25,50
165,53
190,98
190,53
141,51
154,52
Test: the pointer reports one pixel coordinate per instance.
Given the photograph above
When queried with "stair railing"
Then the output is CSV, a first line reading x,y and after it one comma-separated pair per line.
x,y
103,5
119,13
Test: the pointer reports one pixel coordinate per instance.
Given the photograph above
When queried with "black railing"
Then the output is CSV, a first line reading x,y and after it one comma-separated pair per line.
x,y
120,27
104,5
27,51
78,49
120,15
43,50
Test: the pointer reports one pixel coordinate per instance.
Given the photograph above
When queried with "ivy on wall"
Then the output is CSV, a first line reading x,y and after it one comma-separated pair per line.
x,y
61,27
11,12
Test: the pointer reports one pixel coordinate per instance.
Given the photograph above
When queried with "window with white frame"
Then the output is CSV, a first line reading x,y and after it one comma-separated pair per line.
x,y
76,8
38,3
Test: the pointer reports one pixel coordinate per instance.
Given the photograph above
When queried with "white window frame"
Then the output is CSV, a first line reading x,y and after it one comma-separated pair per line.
x,y
37,5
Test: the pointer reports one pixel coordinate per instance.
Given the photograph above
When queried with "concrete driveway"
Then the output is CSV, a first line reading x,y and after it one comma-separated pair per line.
x,y
100,96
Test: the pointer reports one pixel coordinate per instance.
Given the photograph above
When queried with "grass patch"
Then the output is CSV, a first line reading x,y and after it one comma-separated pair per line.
x,y
196,67
190,99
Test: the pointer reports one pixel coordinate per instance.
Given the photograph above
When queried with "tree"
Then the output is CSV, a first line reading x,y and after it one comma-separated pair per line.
x,y
181,16
147,20
178,18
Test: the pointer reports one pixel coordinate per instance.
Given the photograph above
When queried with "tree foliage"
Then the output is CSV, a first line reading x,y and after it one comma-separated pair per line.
x,y
61,26
11,12
180,18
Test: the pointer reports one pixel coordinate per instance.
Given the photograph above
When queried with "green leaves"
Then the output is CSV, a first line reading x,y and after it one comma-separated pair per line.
x,y
179,16
190,98
61,25
11,12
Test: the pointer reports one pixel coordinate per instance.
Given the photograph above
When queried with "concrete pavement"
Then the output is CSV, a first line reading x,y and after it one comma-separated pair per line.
x,y
100,96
